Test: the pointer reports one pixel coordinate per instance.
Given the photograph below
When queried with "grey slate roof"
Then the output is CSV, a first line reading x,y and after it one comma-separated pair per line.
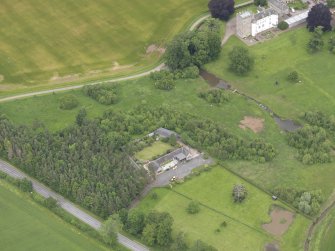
x,y
165,133
263,14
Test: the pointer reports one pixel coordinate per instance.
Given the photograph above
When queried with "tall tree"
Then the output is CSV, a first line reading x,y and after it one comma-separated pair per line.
x,y
221,9
108,231
240,60
319,15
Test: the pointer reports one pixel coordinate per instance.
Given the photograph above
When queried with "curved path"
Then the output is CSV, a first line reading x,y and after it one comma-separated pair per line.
x,y
67,205
315,223
229,32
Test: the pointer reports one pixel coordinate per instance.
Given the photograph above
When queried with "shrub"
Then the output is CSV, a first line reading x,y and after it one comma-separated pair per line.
x,y
25,185
50,203
215,96
193,207
282,25
293,77
191,72
105,94
68,102
163,80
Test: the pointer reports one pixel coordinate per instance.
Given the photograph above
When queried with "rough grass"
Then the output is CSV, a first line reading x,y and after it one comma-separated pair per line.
x,y
213,190
274,60
157,148
24,225
323,238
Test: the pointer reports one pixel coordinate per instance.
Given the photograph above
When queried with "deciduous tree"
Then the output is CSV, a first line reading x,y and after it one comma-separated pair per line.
x,y
319,15
221,9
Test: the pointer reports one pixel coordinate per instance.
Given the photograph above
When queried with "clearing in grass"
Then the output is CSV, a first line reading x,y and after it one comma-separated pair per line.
x,y
35,226
156,149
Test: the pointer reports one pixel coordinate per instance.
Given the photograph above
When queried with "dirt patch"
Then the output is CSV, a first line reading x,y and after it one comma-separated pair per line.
x,y
66,78
154,48
117,67
281,220
2,78
271,247
255,124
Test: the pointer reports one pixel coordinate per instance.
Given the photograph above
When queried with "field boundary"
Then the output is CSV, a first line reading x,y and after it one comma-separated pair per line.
x,y
222,213
267,192
68,206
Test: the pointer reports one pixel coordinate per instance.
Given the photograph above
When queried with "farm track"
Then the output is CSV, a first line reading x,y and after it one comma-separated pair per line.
x,y
230,26
315,224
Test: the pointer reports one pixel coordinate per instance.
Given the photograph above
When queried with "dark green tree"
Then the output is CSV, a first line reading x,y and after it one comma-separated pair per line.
x,y
316,43
319,15
80,119
241,61
221,9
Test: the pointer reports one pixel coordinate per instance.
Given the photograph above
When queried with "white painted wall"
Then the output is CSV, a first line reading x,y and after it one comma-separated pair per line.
x,y
264,24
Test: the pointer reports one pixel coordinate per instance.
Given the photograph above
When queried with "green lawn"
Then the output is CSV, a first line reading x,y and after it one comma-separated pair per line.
x,y
24,225
274,60
157,148
213,190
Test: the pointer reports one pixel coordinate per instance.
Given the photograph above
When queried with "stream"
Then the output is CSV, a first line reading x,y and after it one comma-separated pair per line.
x,y
284,124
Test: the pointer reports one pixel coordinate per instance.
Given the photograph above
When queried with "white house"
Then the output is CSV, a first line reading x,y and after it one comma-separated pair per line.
x,y
248,23
263,20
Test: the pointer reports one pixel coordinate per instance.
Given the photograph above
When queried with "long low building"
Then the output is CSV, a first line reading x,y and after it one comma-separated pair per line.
x,y
297,19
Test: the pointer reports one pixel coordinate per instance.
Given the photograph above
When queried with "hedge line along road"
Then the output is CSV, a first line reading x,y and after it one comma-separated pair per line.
x,y
67,205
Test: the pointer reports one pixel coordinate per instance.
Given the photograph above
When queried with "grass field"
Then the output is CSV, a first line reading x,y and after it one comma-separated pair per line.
x,y
42,41
24,225
157,148
274,60
213,190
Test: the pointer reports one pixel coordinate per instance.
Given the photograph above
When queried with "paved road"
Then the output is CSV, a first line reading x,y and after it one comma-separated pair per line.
x,y
67,205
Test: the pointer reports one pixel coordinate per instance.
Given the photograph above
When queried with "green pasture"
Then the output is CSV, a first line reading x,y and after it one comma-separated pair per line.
x,y
244,221
157,148
24,225
274,60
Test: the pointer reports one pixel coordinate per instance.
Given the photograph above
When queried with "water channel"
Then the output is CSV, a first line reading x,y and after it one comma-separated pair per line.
x,y
284,124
